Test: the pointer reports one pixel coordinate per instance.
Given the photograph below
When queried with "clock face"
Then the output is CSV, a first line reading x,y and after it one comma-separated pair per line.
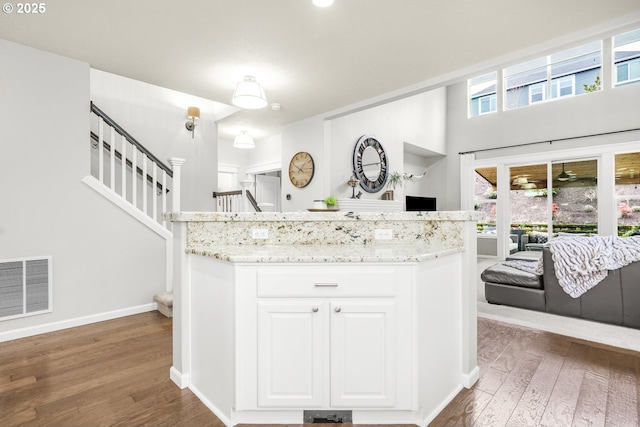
x,y
301,169
370,164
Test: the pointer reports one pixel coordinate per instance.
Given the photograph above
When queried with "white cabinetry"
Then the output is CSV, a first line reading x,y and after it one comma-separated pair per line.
x,y
269,341
331,337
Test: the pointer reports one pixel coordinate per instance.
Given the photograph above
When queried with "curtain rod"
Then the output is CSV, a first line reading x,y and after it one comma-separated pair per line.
x,y
550,141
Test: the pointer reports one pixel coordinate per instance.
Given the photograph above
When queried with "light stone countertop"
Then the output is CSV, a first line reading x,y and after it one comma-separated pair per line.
x,y
324,253
322,216
344,237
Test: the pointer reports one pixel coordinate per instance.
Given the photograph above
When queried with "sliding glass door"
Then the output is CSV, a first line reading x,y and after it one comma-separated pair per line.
x,y
584,191
627,190
574,201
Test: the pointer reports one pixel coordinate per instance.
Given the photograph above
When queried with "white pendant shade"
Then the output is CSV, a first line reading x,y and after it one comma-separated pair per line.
x,y
244,140
249,94
323,3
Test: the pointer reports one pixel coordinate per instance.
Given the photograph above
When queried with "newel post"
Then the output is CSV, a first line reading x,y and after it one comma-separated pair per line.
x,y
246,185
176,163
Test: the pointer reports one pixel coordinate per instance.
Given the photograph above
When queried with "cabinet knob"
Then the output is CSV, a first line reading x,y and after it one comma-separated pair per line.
x,y
338,309
314,309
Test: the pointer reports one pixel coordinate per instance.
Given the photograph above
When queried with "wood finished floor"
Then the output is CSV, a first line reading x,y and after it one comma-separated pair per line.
x,y
116,373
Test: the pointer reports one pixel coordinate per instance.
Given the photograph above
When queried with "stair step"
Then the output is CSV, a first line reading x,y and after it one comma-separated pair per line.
x,y
165,303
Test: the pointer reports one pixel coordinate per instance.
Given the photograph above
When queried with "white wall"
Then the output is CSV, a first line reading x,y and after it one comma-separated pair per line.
x,y
418,120
156,117
103,261
305,135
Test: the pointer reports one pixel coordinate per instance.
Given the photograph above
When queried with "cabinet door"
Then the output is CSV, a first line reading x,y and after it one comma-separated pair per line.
x,y
363,354
291,353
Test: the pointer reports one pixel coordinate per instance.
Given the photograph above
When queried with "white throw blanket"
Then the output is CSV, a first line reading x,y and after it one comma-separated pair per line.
x,y
581,263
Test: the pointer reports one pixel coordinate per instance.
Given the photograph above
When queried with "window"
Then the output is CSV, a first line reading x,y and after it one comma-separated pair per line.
x,y
563,86
484,199
488,104
574,207
537,93
626,58
482,94
567,73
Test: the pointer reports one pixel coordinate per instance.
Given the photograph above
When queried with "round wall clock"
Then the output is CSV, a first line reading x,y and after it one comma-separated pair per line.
x,y
370,164
301,169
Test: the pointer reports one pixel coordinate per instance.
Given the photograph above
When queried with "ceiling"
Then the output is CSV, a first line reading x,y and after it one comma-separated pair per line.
x,y
310,60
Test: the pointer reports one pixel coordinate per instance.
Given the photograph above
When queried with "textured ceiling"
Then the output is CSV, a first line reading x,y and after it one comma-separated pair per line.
x,y
310,60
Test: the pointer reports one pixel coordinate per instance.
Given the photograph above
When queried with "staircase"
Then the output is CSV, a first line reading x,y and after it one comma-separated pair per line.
x,y
135,180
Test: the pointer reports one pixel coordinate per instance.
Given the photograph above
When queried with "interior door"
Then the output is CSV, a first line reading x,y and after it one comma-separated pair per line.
x,y
268,190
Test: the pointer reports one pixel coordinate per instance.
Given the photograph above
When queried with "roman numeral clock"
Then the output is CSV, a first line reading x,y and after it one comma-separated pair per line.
x,y
370,164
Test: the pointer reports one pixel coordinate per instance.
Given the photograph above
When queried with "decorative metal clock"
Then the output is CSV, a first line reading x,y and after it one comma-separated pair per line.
x,y
370,164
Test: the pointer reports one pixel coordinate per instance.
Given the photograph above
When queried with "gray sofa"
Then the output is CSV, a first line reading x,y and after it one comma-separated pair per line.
x,y
615,300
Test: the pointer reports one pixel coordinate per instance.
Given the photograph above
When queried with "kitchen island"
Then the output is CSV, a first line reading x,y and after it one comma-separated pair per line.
x,y
278,316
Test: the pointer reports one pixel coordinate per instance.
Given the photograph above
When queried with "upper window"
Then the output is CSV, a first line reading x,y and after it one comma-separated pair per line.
x,y
482,94
563,86
567,73
626,58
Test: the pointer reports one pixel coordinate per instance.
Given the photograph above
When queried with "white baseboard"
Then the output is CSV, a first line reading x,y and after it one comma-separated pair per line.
x,y
72,323
181,380
468,380
431,416
213,408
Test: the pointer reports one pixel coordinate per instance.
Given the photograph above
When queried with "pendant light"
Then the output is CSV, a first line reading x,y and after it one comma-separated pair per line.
x,y
244,140
563,175
249,94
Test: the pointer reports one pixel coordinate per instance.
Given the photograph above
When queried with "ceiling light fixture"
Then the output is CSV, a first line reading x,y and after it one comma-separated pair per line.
x,y
193,113
244,140
323,3
249,94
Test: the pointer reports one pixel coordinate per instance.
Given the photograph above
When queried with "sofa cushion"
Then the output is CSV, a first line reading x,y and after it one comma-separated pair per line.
x,y
503,274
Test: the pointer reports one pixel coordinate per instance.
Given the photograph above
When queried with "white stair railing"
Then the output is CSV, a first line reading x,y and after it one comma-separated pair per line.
x,y
229,201
131,171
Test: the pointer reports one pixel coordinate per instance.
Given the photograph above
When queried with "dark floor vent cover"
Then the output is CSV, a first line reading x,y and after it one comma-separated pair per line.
x,y
324,417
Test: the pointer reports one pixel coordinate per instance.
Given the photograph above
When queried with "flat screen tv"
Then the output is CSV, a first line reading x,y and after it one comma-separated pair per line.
x,y
416,203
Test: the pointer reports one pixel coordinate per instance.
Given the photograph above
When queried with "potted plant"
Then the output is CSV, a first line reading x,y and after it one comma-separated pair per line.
x,y
394,180
331,202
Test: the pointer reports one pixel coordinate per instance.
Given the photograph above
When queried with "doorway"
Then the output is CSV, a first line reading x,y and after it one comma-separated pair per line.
x,y
268,191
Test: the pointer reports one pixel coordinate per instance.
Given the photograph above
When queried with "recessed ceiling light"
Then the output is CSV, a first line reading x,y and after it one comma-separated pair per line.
x,y
323,3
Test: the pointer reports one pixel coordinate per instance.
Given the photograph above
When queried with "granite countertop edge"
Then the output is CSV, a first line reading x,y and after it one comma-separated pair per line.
x,y
264,254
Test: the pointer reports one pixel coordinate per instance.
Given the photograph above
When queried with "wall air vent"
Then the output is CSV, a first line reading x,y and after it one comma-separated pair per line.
x,y
25,287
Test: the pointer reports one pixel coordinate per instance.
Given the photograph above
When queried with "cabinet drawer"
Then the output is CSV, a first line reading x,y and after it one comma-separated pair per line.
x,y
327,281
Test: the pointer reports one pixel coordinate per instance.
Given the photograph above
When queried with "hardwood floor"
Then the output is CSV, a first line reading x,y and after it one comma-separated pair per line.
x,y
116,373
536,378
113,373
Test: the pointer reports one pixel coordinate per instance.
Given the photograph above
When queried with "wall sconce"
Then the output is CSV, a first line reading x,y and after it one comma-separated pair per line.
x,y
193,113
244,140
249,94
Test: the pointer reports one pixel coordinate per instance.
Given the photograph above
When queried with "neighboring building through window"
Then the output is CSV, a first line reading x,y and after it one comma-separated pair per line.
x,y
482,94
567,73
626,58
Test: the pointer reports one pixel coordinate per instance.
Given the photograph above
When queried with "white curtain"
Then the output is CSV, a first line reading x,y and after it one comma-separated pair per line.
x,y
467,181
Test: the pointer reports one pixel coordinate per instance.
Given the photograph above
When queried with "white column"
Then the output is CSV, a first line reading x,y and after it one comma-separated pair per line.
x,y
181,368
470,370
